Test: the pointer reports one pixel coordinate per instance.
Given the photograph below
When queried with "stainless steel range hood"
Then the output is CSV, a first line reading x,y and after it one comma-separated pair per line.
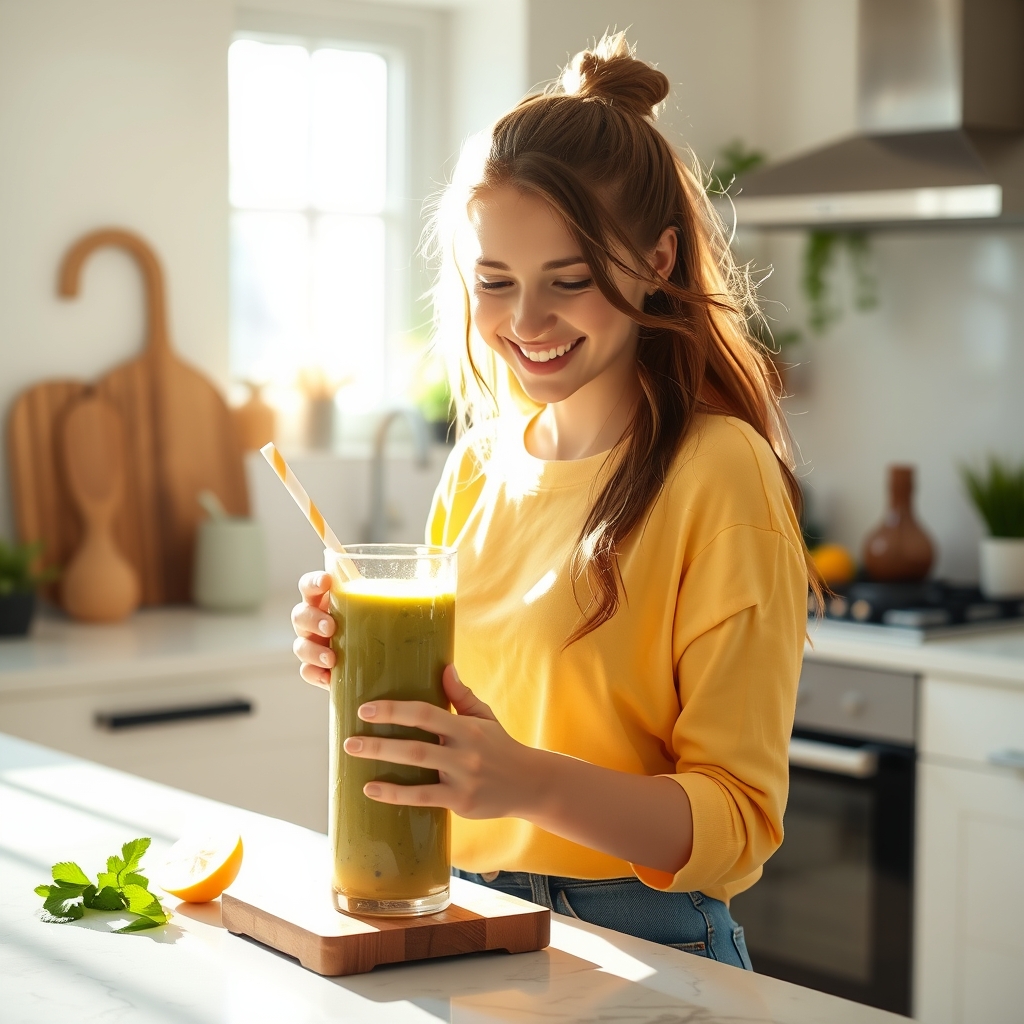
x,y
941,111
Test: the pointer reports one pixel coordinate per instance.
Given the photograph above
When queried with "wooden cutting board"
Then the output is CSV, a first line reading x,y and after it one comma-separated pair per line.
x,y
302,922
180,439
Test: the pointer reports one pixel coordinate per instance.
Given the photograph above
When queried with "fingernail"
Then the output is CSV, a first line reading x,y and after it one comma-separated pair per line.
x,y
325,659
325,627
353,744
455,672
371,789
368,711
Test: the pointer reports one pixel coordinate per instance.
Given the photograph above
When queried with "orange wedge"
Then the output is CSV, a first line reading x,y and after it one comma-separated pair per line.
x,y
199,869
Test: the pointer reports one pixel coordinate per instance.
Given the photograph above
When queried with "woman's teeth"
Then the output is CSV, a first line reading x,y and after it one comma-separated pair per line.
x,y
552,353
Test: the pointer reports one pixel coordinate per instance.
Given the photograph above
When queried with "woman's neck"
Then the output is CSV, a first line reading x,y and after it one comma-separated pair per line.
x,y
588,422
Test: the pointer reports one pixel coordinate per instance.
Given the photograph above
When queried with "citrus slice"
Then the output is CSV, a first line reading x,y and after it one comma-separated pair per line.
x,y
198,869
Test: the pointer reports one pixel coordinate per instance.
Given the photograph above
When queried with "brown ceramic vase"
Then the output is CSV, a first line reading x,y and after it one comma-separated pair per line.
x,y
899,550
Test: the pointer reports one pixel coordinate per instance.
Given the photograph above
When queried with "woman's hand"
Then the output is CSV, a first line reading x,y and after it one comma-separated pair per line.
x,y
484,773
314,628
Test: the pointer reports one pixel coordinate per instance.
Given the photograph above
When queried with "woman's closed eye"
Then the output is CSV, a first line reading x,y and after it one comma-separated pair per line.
x,y
493,285
574,286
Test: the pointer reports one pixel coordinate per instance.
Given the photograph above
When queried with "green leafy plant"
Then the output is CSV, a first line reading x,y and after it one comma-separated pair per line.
x,y
16,567
998,495
734,160
820,253
120,887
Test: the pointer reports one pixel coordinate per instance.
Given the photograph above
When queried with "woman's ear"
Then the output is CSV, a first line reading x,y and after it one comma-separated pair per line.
x,y
663,258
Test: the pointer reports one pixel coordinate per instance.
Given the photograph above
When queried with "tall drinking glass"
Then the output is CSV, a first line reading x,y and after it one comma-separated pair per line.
x,y
394,634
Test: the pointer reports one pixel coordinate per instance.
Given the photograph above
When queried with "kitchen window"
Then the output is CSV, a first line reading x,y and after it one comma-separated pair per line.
x,y
316,174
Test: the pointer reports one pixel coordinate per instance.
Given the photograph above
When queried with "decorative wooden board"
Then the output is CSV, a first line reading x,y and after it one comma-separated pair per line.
x,y
180,439
323,940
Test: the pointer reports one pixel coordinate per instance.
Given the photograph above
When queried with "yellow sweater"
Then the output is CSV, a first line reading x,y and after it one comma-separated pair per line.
x,y
695,676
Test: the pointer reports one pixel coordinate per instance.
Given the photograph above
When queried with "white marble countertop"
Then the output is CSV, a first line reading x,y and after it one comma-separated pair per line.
x,y
173,641
995,656
54,807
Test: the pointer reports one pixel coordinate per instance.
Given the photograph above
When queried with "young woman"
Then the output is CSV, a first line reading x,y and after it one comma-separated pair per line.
x,y
632,579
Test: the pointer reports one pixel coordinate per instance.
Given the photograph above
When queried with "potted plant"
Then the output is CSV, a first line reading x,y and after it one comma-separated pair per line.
x,y
18,582
998,495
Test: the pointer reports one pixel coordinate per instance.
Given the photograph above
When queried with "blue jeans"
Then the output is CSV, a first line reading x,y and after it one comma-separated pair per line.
x,y
689,921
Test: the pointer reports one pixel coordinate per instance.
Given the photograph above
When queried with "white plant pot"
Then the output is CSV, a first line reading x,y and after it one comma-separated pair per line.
x,y
1002,567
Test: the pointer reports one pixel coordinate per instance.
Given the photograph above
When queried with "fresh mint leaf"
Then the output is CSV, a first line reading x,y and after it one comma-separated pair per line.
x,y
107,898
62,902
132,853
142,901
138,925
74,913
67,872
121,887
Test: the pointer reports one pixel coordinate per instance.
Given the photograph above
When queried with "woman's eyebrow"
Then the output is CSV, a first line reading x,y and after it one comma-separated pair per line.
x,y
566,261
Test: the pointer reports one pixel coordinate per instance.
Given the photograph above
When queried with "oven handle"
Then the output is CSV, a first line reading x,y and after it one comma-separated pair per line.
x,y
856,762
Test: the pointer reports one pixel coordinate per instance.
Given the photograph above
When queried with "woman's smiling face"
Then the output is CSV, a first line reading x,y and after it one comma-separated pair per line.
x,y
534,302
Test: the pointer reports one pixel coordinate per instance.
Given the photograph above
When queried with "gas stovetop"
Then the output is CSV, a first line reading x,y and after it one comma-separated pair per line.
x,y
922,610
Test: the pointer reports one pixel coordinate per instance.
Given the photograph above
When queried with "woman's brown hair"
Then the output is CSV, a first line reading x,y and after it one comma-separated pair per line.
x,y
588,147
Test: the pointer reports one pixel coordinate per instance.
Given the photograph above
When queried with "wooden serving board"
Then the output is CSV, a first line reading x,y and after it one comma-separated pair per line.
x,y
306,925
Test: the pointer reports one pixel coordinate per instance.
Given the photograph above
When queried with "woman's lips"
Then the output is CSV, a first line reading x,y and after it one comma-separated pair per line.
x,y
544,361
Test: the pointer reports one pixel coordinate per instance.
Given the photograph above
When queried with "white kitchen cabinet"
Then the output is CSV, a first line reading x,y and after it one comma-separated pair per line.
x,y
969,895
272,759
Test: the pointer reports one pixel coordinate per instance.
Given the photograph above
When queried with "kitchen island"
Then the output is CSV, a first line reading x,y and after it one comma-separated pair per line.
x,y
55,807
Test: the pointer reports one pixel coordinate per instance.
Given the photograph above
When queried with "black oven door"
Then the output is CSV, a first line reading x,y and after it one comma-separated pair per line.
x,y
833,909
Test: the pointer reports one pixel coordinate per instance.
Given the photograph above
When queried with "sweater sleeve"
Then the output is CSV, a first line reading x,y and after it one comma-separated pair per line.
x,y
738,652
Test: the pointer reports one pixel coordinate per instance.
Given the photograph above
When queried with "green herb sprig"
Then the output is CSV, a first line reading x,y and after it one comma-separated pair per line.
x,y
120,887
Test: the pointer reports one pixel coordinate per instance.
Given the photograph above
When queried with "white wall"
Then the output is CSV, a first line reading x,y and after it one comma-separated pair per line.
x,y
489,63
707,50
111,112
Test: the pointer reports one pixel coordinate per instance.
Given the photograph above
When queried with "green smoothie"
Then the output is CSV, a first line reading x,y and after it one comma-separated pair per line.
x,y
393,639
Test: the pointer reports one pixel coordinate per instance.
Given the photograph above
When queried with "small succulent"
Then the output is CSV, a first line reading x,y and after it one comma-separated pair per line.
x,y
998,495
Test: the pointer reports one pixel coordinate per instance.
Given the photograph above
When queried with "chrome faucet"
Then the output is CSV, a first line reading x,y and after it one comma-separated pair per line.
x,y
376,529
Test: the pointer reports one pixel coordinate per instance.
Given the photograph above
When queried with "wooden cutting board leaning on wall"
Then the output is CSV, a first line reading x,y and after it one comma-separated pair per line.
x,y
179,440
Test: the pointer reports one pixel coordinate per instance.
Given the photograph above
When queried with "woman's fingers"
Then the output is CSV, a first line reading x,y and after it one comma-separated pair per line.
x,y
309,652
317,676
463,699
409,796
310,621
412,752
414,713
315,588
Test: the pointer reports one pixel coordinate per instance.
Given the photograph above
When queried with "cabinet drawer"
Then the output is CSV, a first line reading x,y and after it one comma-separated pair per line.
x,y
856,702
973,722
126,725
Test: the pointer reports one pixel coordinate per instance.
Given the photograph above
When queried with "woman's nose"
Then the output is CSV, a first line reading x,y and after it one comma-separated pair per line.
x,y
531,319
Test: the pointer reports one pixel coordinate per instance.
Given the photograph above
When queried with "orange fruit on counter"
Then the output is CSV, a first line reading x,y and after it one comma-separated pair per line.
x,y
198,869
835,564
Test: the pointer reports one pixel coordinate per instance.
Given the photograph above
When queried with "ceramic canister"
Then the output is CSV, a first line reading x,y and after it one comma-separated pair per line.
x,y
231,565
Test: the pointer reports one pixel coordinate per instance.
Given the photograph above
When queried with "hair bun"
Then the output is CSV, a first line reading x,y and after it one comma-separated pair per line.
x,y
611,72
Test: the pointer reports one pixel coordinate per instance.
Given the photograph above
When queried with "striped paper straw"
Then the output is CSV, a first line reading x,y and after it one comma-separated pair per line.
x,y
309,509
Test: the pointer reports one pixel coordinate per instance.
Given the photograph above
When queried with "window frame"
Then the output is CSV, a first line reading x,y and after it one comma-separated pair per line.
x,y
411,42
